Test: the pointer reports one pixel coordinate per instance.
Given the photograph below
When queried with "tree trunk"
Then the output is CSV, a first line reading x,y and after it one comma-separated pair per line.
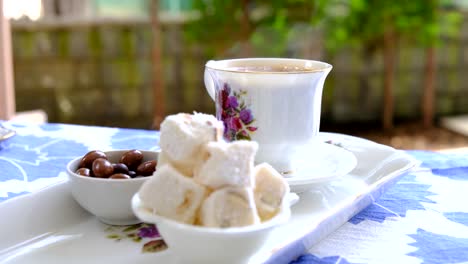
x,y
176,53
158,82
246,29
365,97
427,106
389,75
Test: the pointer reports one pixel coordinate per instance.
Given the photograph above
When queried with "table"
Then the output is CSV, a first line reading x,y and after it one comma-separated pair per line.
x,y
421,219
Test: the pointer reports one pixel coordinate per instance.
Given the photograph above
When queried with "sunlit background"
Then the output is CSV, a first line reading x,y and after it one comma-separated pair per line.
x,y
16,9
128,63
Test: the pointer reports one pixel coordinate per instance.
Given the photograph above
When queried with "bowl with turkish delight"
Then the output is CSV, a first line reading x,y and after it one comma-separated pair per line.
x,y
207,197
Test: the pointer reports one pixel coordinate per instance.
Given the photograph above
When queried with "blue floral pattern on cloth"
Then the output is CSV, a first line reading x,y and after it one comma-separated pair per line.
x,y
459,217
455,173
37,155
129,138
423,218
397,201
311,259
437,248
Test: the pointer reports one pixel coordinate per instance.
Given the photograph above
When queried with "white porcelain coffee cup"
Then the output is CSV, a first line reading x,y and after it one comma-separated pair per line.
x,y
274,101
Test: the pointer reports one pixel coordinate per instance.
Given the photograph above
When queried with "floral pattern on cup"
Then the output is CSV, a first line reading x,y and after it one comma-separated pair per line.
x,y
147,233
233,111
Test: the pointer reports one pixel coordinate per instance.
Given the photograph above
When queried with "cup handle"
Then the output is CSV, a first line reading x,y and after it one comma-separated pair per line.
x,y
209,82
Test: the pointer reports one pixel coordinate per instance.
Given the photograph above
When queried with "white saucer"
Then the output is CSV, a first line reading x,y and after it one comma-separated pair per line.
x,y
325,163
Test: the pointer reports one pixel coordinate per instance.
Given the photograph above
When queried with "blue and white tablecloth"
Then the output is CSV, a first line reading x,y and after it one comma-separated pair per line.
x,y
422,219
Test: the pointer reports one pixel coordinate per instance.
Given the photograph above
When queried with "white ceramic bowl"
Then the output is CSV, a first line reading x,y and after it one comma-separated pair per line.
x,y
109,200
197,244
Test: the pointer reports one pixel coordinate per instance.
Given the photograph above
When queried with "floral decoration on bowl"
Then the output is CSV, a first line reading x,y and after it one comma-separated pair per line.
x,y
147,233
237,117
338,144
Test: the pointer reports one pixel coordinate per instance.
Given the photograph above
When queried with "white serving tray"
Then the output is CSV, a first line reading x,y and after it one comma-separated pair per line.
x,y
6,133
49,227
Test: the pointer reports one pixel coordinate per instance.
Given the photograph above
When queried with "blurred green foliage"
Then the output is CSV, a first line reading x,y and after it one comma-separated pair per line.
x,y
344,22
221,22
357,22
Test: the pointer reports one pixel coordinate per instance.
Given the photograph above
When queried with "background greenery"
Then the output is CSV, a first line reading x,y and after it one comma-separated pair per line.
x,y
393,60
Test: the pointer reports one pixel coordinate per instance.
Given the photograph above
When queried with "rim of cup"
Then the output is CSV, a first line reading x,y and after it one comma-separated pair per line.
x,y
307,66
